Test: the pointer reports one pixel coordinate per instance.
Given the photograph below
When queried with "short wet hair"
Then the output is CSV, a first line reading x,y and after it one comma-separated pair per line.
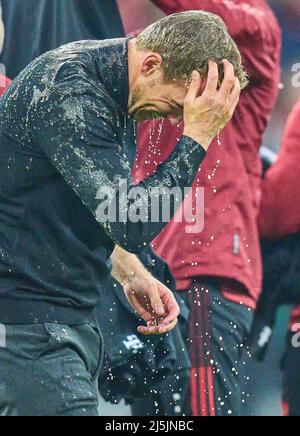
x,y
187,41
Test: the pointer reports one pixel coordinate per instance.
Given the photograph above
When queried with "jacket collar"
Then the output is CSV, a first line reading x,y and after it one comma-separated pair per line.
x,y
113,70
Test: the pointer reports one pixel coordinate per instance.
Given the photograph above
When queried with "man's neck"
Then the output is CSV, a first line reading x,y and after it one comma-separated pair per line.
x,y
113,70
133,62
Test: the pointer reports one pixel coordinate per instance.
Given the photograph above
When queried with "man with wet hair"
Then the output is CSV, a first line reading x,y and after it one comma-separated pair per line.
x,y
66,198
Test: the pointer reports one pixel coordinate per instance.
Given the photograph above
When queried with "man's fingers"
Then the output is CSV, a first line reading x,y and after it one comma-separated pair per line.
x,y
233,99
229,80
212,78
149,330
142,311
236,90
156,301
194,88
172,310
168,328
157,330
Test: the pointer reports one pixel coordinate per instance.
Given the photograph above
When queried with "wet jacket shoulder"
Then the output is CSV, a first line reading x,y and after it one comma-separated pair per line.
x,y
54,77
70,107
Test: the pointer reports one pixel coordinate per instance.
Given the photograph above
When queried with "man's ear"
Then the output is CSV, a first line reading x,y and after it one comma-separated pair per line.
x,y
152,62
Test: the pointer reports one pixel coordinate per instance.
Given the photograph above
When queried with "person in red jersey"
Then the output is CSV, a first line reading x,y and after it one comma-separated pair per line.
x,y
4,81
220,267
280,207
280,217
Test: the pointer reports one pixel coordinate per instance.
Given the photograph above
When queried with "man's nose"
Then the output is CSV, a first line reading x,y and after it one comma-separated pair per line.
x,y
175,120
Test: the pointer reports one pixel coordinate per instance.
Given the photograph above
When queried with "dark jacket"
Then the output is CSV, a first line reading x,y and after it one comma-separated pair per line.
x,y
65,182
135,364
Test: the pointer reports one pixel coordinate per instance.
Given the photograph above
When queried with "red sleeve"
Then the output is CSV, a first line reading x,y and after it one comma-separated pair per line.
x,y
4,82
173,6
280,210
251,23
241,17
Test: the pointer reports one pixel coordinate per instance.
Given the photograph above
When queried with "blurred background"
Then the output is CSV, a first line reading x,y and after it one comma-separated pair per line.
x,y
288,13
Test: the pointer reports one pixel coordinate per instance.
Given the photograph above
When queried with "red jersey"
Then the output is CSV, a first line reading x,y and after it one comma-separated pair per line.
x,y
280,208
4,82
228,247
295,320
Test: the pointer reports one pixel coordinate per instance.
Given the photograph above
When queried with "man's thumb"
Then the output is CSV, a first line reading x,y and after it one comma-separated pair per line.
x,y
156,302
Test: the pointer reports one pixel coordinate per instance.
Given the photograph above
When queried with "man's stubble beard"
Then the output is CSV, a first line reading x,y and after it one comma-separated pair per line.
x,y
133,106
135,109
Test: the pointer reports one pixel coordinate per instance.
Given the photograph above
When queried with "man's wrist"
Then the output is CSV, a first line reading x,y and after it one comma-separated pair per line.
x,y
128,278
201,140
140,273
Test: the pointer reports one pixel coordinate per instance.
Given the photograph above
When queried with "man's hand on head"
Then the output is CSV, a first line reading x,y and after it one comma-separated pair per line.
x,y
206,115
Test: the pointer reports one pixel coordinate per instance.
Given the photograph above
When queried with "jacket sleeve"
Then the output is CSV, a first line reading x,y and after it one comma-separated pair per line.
x,y
280,208
76,132
254,28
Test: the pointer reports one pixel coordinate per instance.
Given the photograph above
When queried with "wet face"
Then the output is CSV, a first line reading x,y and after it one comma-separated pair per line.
x,y
158,100
151,97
